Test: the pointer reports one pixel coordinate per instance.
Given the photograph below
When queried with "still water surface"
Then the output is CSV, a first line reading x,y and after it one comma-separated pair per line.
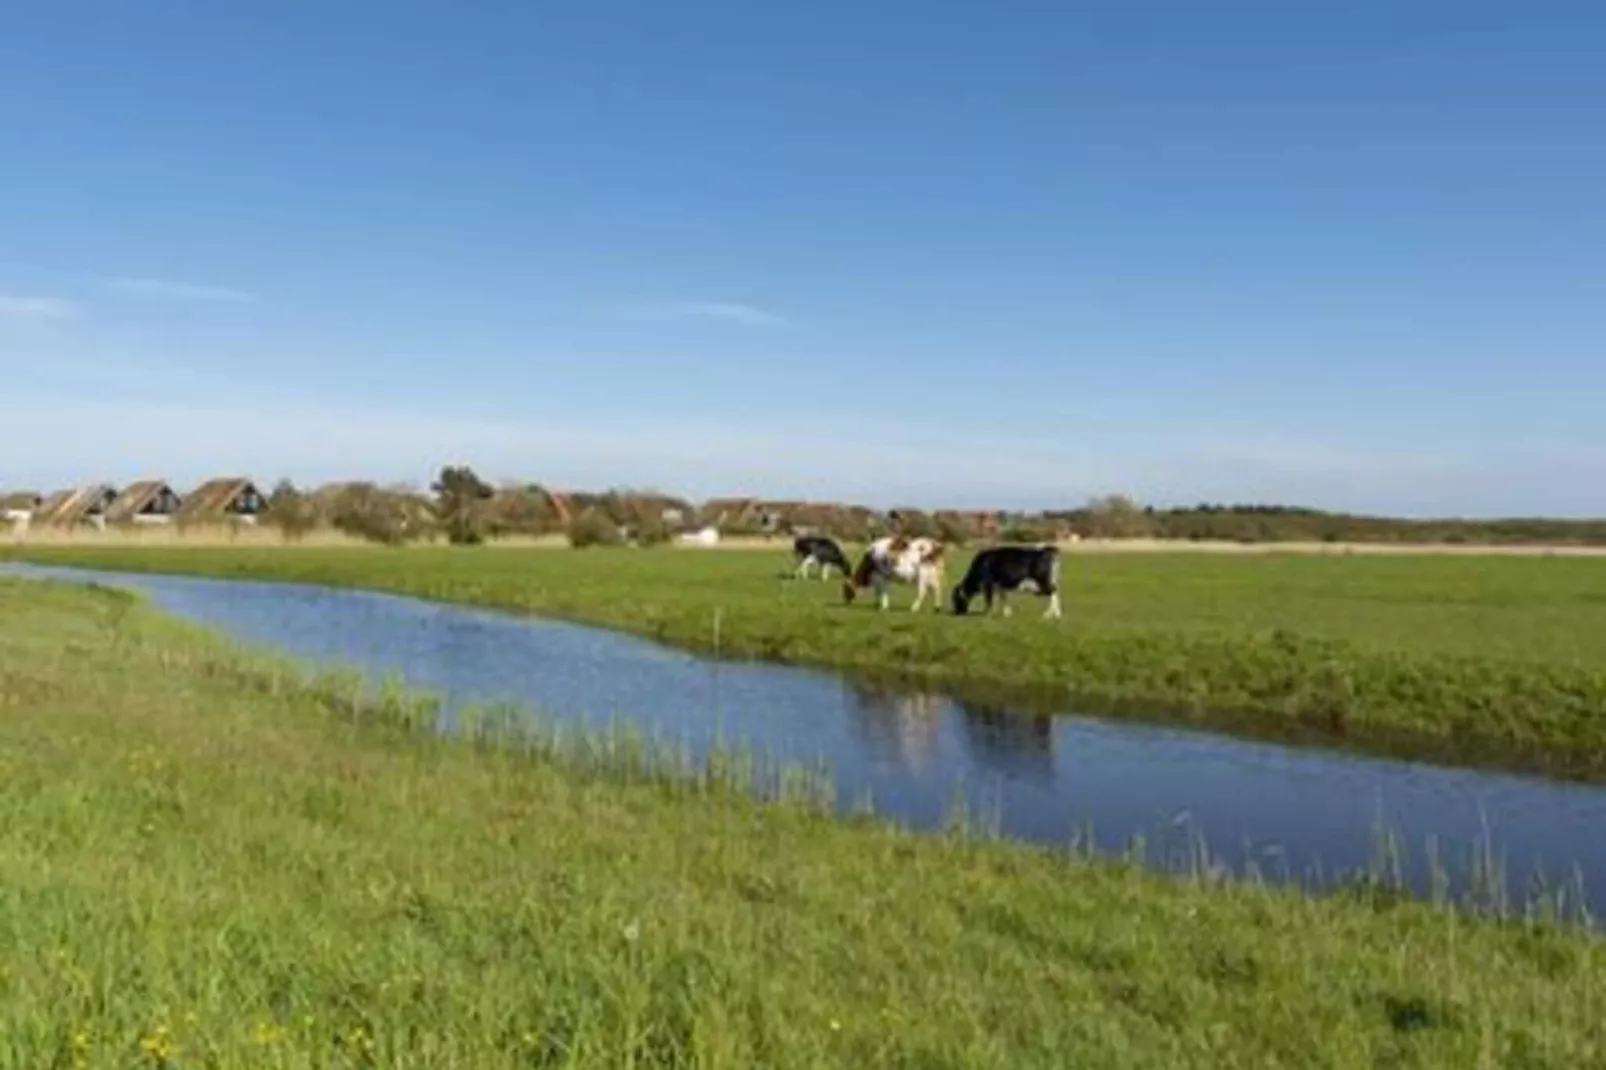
x,y
1291,813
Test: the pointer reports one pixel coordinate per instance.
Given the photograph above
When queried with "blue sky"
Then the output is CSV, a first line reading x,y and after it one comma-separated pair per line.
x,y
1350,256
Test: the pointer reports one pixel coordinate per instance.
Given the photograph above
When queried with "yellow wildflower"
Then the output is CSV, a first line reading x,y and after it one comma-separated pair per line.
x,y
267,1033
157,1045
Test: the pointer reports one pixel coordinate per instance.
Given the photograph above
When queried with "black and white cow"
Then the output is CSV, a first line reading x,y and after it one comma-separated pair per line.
x,y
997,570
819,550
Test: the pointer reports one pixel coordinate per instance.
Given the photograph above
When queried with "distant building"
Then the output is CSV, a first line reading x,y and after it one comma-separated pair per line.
x,y
80,505
674,513
708,536
17,509
727,513
569,506
19,506
984,523
775,516
149,501
233,498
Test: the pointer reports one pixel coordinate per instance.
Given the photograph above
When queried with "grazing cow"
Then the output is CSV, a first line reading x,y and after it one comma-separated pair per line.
x,y
819,550
997,570
898,557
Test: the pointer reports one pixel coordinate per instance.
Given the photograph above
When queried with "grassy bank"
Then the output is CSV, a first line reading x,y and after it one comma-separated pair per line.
x,y
206,861
1498,660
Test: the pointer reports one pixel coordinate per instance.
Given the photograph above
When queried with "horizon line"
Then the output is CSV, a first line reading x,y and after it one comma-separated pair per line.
x,y
509,484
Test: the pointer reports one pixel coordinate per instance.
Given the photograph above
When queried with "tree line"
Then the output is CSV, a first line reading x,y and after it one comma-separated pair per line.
x,y
465,510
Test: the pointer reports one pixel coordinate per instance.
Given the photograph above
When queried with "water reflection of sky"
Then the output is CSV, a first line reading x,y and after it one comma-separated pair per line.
x,y
1292,809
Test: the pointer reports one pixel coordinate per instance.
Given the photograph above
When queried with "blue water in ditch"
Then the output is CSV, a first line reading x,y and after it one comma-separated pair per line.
x,y
1289,812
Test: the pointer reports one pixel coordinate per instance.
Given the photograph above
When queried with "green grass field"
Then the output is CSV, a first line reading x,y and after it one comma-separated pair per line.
x,y
207,860
1498,661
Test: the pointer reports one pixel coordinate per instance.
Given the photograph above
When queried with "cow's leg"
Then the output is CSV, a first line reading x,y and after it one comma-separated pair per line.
x,y
1052,589
803,564
883,598
1003,600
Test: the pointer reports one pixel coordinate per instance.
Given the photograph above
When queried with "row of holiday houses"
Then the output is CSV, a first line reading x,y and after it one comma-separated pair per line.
x,y
238,499
148,501
760,515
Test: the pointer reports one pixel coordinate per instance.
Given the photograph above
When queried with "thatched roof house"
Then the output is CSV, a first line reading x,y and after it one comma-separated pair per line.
x,y
563,506
79,505
624,506
522,508
668,509
149,501
773,515
19,503
982,523
858,518
228,498
728,512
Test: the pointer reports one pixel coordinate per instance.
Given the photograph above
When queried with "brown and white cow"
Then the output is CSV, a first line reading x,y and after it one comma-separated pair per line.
x,y
917,561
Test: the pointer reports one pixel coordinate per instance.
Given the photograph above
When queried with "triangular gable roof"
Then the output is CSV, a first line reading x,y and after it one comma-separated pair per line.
x,y
727,509
135,497
214,497
21,499
74,505
560,505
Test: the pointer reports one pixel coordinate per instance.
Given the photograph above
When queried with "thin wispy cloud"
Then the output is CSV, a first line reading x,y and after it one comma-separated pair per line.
x,y
729,311
178,291
16,306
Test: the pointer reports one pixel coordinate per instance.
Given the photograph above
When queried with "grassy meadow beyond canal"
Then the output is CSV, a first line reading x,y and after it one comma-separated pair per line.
x,y
1498,658
210,858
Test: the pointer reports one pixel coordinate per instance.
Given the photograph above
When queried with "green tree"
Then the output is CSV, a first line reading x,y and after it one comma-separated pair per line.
x,y
389,516
955,530
520,510
650,530
593,528
460,498
1115,516
290,511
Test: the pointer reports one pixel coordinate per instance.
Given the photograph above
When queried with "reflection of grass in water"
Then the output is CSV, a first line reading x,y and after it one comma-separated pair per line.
x,y
1502,659
211,857
623,752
